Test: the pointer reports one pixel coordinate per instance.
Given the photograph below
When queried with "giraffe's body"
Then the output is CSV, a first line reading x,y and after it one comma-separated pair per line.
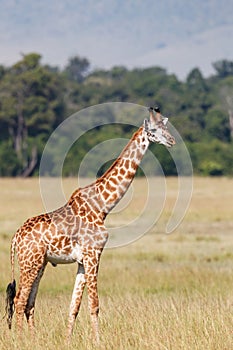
x,y
76,231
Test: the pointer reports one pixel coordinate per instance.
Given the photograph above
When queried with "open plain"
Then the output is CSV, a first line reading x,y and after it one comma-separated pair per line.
x,y
160,292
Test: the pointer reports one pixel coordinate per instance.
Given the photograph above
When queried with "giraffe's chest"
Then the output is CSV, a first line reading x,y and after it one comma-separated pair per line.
x,y
65,255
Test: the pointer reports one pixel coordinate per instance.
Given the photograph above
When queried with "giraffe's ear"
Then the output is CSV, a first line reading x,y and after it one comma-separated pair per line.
x,y
146,124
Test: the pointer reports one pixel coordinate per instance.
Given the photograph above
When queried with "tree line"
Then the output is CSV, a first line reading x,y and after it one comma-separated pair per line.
x,y
35,98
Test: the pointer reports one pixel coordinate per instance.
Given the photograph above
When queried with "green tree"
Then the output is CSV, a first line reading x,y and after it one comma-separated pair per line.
x,y
77,68
217,125
31,106
223,68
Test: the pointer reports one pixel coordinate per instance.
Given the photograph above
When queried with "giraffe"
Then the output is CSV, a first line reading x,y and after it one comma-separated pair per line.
x,y
76,231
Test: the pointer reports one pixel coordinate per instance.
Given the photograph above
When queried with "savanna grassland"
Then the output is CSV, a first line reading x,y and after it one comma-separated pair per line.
x,y
161,292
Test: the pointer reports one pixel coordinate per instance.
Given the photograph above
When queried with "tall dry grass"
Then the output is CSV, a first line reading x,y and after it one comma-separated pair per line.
x,y
161,292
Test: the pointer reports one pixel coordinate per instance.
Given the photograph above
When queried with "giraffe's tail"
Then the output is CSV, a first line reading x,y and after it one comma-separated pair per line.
x,y
10,307
11,288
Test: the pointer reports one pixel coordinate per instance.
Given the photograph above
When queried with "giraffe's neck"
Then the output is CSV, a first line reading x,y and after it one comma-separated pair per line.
x,y
114,183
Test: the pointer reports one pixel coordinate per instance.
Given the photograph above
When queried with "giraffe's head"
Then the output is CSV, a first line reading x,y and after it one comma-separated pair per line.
x,y
156,128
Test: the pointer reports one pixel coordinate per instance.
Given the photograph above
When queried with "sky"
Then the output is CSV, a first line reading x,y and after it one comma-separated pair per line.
x,y
177,35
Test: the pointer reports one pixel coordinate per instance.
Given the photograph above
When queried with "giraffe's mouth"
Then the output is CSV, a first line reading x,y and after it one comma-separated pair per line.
x,y
171,142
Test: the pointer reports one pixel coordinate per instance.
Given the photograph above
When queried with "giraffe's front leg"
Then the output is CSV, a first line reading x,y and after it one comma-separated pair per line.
x,y
91,265
76,298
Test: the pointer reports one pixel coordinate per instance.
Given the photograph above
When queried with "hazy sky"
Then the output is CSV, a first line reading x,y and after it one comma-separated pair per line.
x,y
175,34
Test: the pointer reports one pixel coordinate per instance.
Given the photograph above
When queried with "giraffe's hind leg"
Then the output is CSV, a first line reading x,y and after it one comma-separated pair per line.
x,y
31,271
29,311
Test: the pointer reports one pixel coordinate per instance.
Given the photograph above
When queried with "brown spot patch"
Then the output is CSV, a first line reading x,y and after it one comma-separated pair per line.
x,y
66,241
101,187
58,244
129,175
114,180
90,218
114,197
36,235
134,165
122,171
67,250
37,227
109,187
127,164
82,210
105,194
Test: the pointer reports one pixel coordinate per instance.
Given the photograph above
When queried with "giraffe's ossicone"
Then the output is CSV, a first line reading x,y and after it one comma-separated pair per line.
x,y
76,232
